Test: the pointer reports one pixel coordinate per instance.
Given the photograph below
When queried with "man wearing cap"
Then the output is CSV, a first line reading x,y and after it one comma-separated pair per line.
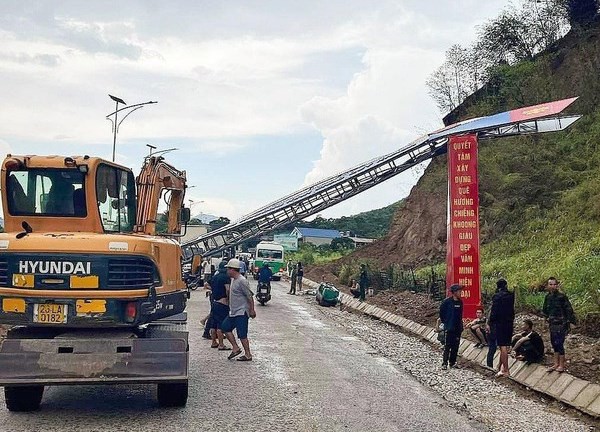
x,y
241,307
451,314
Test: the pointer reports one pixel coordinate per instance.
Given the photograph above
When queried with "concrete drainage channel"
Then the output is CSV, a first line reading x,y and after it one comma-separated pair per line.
x,y
575,392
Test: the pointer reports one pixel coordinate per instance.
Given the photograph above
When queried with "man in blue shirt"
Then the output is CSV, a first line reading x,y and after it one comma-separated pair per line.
x,y
451,314
265,274
219,286
243,267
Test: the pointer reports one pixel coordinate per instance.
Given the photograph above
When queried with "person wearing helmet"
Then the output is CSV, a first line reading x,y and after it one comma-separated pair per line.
x,y
451,314
241,308
265,274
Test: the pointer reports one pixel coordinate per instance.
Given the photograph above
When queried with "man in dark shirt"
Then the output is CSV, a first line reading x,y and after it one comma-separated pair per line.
x,y
219,286
363,281
559,314
502,316
451,314
528,345
265,274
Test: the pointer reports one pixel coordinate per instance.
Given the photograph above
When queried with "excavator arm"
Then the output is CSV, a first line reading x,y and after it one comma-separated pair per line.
x,y
158,179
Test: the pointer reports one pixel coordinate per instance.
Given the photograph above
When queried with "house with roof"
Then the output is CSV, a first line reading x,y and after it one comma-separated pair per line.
x,y
361,241
316,236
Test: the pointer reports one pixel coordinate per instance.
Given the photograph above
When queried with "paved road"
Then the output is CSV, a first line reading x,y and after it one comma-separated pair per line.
x,y
308,375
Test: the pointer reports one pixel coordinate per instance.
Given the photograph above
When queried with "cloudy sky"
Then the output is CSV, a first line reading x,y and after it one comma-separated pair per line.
x,y
260,97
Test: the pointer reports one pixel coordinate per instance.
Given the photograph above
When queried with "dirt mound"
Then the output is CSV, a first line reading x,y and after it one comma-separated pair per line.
x,y
417,234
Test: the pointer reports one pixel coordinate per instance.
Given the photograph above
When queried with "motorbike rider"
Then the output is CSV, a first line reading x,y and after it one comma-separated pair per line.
x,y
265,274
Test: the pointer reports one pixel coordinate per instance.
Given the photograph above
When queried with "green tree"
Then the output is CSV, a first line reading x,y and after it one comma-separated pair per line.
x,y
162,223
218,223
342,243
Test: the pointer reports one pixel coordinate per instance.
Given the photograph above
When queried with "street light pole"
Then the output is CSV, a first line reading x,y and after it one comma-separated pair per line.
x,y
116,123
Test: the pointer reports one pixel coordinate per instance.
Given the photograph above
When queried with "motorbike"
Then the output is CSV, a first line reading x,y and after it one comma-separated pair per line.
x,y
263,293
193,281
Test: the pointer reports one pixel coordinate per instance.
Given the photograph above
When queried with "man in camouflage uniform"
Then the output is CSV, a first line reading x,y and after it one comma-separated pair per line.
x,y
559,314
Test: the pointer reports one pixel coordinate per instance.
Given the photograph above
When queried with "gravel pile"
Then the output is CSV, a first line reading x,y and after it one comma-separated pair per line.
x,y
478,397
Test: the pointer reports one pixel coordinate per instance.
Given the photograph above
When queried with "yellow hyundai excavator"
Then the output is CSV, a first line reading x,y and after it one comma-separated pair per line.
x,y
94,295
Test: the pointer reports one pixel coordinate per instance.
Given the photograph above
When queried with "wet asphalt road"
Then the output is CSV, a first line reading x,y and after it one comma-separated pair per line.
x,y
307,375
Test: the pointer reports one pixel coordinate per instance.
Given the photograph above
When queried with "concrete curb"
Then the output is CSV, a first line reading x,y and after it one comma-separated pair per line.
x,y
578,393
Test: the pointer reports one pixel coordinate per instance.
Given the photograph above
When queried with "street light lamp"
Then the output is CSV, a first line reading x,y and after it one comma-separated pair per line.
x,y
116,123
192,202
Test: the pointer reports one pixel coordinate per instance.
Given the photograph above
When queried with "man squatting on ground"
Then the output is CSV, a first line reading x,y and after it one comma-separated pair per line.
x,y
478,328
451,314
559,314
241,307
528,345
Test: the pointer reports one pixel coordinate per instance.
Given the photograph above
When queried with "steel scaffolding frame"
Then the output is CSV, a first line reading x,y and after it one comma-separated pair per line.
x,y
337,188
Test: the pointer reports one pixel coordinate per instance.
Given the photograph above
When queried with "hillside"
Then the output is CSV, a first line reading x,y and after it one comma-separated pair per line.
x,y
540,195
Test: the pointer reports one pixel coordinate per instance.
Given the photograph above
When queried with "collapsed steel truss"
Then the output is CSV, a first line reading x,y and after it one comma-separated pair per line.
x,y
335,189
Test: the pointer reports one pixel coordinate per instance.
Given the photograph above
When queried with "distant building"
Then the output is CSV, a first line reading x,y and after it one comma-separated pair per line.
x,y
288,241
360,241
315,236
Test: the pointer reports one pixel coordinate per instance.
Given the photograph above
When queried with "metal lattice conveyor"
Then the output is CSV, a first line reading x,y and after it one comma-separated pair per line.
x,y
337,188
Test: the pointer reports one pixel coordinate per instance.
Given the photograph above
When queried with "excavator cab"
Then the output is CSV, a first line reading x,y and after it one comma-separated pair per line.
x,y
78,194
80,237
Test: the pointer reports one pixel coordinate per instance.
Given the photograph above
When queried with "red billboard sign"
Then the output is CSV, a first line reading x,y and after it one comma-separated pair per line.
x,y
463,221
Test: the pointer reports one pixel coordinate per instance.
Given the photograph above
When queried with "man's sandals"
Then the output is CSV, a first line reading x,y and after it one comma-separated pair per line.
x,y
234,354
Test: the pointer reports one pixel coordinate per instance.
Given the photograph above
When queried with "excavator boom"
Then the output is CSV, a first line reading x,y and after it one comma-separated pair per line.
x,y
158,179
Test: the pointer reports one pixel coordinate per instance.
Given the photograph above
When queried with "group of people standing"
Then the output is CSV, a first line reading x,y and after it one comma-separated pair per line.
x,y
232,305
296,274
496,332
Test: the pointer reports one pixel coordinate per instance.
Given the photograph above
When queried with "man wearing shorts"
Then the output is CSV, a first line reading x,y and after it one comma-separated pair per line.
x,y
502,316
241,307
220,308
559,314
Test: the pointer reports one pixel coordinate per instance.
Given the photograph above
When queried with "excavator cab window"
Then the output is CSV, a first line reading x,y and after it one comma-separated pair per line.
x,y
46,192
115,195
